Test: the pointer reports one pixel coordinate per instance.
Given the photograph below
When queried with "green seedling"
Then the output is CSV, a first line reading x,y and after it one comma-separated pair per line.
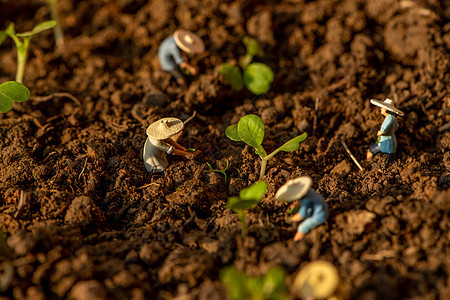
x,y
219,171
5,264
248,198
257,77
191,149
22,41
240,286
250,130
10,92
57,30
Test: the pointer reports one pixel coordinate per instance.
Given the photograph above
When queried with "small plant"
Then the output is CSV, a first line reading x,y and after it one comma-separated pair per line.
x,y
240,286
10,92
22,45
257,77
219,171
248,198
250,130
57,30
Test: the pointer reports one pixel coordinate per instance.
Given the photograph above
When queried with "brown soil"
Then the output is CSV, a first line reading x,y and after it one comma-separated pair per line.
x,y
97,225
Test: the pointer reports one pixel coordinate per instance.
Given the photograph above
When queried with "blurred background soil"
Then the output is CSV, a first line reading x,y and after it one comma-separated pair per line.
x,y
97,226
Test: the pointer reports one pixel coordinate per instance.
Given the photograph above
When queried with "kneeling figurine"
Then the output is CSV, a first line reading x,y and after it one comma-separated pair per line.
x,y
313,210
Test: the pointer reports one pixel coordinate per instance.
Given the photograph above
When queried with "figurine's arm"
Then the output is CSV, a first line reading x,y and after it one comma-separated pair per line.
x,y
188,155
175,144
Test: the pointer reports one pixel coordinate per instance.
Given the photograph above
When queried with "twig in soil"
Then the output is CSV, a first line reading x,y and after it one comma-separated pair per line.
x,y
190,118
316,109
84,167
147,185
23,201
444,127
39,99
351,155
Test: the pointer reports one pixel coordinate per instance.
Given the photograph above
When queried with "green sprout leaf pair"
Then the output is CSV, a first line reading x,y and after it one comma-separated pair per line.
x,y
10,92
257,77
240,286
217,170
248,198
250,130
22,42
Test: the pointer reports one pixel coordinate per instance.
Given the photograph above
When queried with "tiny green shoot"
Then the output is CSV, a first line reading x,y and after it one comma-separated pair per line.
x,y
257,77
218,170
248,198
10,92
250,130
57,30
22,41
240,286
191,149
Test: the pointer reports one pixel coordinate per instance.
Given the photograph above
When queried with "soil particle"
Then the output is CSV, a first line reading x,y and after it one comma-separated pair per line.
x,y
83,211
89,289
152,253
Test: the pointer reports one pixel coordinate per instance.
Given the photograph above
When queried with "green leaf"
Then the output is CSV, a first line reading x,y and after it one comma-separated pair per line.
x,y
11,32
3,36
253,47
293,144
274,281
257,78
251,131
236,283
232,134
254,192
10,92
237,204
38,28
233,75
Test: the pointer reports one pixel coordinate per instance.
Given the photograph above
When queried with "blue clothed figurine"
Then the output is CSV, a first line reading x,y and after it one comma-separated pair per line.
x,y
386,141
313,208
170,53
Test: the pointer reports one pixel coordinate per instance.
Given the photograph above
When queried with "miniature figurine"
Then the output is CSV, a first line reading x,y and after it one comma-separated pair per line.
x,y
313,209
159,143
386,141
172,51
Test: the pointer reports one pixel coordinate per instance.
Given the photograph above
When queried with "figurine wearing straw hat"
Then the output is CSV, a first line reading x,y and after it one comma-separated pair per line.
x,y
159,143
386,141
313,209
172,51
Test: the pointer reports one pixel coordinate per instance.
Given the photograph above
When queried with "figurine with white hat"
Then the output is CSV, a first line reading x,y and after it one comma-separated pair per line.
x,y
159,143
386,141
172,51
313,209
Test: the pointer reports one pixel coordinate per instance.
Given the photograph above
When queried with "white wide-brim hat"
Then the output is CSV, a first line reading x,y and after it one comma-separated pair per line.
x,y
319,279
387,104
294,189
188,41
164,128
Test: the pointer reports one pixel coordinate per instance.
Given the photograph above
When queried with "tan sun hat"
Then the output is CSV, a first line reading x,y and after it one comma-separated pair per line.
x,y
294,189
319,279
387,104
164,128
188,41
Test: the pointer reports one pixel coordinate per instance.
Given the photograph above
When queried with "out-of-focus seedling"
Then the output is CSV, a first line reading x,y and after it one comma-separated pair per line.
x,y
240,286
22,41
257,77
218,170
10,92
6,267
248,198
250,130
57,30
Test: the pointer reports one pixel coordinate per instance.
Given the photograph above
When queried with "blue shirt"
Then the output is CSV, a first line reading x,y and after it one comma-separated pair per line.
x,y
388,141
169,54
313,206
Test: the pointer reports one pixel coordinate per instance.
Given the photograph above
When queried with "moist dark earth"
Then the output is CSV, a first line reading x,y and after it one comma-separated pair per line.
x,y
96,225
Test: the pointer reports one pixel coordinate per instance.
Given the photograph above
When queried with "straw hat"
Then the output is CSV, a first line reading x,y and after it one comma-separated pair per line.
x,y
387,104
318,279
164,128
188,41
294,189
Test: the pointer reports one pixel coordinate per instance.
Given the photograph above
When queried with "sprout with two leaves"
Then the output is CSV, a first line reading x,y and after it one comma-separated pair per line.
x,y
248,198
22,41
250,130
257,77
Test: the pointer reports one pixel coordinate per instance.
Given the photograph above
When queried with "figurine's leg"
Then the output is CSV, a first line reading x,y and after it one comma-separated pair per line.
x,y
373,150
369,155
176,74
305,227
299,236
